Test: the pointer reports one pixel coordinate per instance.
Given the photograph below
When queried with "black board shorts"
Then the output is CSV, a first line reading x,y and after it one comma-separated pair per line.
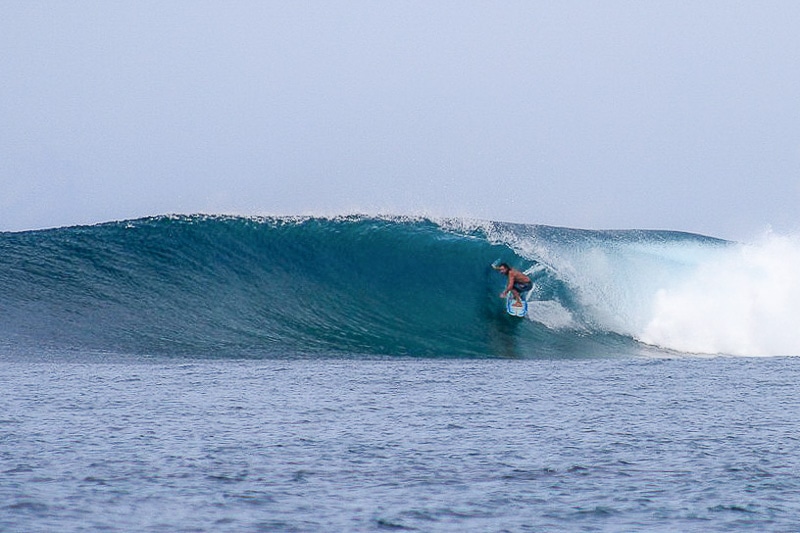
x,y
523,287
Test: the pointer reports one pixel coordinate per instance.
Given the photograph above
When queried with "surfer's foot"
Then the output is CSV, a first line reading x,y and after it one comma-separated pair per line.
x,y
517,304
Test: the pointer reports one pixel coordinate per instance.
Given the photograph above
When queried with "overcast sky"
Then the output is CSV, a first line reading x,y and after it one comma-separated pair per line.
x,y
593,114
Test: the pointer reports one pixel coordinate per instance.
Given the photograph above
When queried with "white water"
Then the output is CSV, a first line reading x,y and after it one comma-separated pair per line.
x,y
740,299
690,295
744,300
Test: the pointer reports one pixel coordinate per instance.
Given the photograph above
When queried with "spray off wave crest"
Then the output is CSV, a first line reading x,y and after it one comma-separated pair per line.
x,y
218,286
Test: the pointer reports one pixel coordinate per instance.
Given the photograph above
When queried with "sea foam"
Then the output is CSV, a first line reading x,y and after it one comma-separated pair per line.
x,y
742,300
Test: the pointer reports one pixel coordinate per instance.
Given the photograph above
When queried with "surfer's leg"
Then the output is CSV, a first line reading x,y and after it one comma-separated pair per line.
x,y
517,299
520,289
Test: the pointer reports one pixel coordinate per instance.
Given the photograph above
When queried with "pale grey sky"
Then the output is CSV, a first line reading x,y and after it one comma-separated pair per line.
x,y
677,115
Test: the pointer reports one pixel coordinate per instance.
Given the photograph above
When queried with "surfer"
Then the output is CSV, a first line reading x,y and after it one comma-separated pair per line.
x,y
518,282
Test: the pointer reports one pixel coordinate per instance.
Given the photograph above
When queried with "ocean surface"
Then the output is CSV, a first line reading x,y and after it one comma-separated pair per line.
x,y
216,373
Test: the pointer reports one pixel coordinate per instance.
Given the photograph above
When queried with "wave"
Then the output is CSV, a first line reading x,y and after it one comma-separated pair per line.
x,y
222,286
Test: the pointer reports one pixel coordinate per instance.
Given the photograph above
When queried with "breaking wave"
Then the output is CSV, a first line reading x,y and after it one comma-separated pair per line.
x,y
221,286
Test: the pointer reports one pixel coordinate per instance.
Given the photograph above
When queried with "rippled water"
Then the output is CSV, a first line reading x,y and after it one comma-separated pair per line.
x,y
344,445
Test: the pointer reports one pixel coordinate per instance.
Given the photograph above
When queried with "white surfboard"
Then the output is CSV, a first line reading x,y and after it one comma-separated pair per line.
x,y
516,310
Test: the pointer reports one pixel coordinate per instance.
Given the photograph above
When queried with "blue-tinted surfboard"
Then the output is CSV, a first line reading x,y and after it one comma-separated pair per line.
x,y
516,310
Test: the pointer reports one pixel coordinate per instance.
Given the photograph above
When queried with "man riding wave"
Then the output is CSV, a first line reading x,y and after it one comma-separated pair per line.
x,y
518,282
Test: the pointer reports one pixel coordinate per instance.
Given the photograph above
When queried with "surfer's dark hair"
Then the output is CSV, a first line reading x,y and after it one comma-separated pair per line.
x,y
501,265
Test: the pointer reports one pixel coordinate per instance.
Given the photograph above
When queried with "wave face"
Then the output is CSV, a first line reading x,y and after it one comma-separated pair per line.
x,y
217,286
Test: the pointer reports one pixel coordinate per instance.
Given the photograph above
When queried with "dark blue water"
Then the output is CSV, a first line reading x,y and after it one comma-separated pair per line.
x,y
680,444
